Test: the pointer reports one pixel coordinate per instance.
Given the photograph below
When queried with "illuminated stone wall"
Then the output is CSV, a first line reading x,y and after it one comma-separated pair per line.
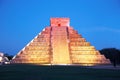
x,y
59,44
82,52
37,51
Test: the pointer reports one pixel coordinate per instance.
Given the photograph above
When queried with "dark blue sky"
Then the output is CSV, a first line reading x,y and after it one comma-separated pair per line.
x,y
21,20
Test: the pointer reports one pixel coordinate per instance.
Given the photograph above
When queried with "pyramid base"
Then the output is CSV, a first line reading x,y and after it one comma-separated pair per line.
x,y
75,64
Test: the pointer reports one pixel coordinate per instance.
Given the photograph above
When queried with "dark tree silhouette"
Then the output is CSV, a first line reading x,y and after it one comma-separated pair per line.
x,y
113,54
8,56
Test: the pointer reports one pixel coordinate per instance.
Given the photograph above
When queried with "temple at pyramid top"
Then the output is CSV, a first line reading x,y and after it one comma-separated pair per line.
x,y
59,44
59,22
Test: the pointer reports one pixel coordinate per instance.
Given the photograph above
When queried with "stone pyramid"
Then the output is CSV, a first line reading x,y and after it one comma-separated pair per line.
x,y
59,44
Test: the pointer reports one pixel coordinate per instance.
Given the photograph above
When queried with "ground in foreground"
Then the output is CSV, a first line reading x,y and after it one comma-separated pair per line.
x,y
34,72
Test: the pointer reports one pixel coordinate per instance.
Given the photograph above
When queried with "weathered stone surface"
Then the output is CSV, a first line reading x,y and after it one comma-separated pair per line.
x,y
60,44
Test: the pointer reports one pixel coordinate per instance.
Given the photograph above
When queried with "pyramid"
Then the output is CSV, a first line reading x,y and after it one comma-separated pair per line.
x,y
60,44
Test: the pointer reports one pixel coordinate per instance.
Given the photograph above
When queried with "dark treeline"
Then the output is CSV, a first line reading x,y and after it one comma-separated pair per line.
x,y
8,56
111,53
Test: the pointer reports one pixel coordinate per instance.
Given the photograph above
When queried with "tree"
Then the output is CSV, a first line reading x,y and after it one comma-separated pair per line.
x,y
111,53
8,56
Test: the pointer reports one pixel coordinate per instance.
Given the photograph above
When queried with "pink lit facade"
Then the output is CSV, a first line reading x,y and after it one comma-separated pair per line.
x,y
60,44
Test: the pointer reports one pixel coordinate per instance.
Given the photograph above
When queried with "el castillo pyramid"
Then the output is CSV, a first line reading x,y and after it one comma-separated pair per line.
x,y
59,44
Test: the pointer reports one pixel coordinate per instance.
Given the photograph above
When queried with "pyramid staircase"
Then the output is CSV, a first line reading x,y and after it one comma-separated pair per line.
x,y
60,44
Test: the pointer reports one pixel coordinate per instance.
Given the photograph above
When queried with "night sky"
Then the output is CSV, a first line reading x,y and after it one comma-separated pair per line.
x,y
21,20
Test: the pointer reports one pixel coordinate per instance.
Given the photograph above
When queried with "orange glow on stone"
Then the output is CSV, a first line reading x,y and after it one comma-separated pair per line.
x,y
60,44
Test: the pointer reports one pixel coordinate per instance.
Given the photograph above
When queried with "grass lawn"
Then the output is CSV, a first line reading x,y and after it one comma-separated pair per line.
x,y
33,72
